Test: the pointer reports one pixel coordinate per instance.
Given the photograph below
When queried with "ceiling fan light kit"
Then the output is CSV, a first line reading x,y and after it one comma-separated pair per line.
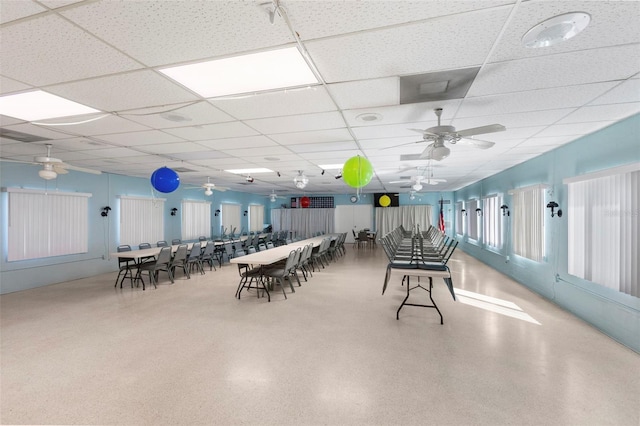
x,y
301,180
47,173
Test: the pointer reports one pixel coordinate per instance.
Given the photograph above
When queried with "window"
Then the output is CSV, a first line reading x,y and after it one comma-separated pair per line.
x,y
459,218
528,222
491,231
231,218
603,222
196,219
472,217
256,217
44,224
141,220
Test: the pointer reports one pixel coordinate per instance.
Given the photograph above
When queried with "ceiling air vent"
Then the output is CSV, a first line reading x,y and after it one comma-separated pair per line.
x,y
436,86
21,137
183,170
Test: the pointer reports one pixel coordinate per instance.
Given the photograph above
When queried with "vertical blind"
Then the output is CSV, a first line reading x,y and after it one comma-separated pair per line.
x,y
528,222
492,232
256,217
604,229
472,216
196,219
141,220
44,224
459,221
231,218
303,222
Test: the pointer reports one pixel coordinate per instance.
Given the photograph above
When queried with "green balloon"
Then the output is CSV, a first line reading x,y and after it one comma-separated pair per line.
x,y
357,172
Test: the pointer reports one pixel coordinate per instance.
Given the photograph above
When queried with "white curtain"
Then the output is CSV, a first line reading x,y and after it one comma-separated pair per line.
x,y
231,218
43,224
256,217
528,222
472,217
604,227
196,219
389,218
303,222
141,220
491,220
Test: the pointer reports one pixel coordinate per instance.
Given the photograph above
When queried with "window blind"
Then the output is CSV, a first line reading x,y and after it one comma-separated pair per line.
x,y
141,220
45,224
256,217
231,218
604,228
528,222
196,219
472,217
459,218
492,231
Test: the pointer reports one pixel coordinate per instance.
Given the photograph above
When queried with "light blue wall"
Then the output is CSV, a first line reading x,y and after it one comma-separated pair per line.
x,y
103,232
615,313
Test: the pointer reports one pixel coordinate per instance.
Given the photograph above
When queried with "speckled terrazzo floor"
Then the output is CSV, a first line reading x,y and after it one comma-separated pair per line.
x,y
83,352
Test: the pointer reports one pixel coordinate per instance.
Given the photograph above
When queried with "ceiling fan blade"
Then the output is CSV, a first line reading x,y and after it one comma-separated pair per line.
x,y
402,144
79,169
476,143
491,128
428,152
60,170
400,181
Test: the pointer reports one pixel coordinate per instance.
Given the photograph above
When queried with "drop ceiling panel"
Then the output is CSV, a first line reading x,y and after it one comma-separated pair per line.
x,y
566,69
170,148
406,113
180,31
391,130
515,120
141,138
11,150
628,91
32,129
10,10
453,42
239,143
331,157
612,112
323,147
366,93
407,141
612,23
275,104
578,129
9,85
165,117
54,4
114,153
231,129
272,151
68,52
102,126
534,100
318,136
75,144
198,155
298,123
124,91
222,163
7,121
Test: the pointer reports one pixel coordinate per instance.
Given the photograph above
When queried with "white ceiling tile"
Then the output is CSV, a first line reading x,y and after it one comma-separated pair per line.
x,y
68,52
275,104
168,32
9,85
73,156
298,123
515,120
170,148
612,23
24,148
272,151
406,141
613,112
391,130
10,10
453,42
628,91
54,4
548,140
566,69
7,121
406,113
332,157
318,136
45,132
164,117
199,155
319,147
114,153
231,129
124,91
141,159
534,100
75,144
220,163
574,129
366,93
239,143
107,124
147,137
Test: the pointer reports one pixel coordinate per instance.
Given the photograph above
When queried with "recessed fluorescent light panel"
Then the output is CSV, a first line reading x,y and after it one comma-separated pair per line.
x,y
39,105
249,171
331,166
274,69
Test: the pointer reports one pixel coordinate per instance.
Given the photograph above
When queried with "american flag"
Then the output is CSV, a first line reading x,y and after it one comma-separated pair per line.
x,y
441,221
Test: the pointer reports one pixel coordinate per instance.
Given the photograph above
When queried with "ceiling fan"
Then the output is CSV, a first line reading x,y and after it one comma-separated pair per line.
x,y
52,167
440,134
273,196
418,182
209,187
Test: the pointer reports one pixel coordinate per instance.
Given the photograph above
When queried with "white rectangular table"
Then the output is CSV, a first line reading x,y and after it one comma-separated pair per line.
x,y
267,257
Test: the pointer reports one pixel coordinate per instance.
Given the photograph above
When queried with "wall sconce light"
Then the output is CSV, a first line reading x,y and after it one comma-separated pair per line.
x,y
174,211
479,211
105,211
553,205
505,210
464,212
339,175
217,213
245,212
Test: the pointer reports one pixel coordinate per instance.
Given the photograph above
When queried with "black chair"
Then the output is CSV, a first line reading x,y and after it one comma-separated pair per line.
x,y
125,264
144,246
162,243
283,274
160,264
195,258
209,256
180,260
176,241
201,239
248,275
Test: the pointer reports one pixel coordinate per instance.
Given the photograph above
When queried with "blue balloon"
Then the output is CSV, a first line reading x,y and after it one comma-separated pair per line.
x,y
165,180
